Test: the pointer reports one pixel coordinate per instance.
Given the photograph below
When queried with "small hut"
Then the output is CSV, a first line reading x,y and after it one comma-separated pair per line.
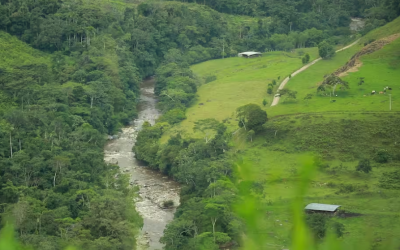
x,y
322,208
250,54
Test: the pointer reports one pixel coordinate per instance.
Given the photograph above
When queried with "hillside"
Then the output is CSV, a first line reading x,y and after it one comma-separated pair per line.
x,y
14,52
337,134
238,81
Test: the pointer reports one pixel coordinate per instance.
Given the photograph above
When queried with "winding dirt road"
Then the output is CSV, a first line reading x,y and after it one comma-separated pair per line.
x,y
276,99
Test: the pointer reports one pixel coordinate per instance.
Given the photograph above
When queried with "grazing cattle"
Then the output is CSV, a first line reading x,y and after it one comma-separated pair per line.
x,y
333,101
381,92
389,88
365,95
373,92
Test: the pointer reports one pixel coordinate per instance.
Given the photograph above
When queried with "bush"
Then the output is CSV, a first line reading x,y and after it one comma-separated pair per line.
x,y
390,180
168,203
338,229
350,188
317,224
326,50
382,156
173,116
364,165
369,41
265,102
269,90
306,58
208,79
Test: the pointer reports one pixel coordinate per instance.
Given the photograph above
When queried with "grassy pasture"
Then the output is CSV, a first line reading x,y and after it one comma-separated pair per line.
x,y
380,69
239,81
342,139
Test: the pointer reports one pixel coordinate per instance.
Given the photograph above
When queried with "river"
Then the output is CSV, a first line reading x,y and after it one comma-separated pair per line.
x,y
154,187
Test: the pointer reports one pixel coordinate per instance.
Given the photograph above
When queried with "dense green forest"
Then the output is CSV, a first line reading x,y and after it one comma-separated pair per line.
x,y
69,75
291,15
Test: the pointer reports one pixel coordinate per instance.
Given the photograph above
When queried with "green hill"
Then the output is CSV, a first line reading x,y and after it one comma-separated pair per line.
x,y
14,52
338,134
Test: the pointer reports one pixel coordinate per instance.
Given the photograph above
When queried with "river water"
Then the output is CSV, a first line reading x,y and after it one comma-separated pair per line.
x,y
154,187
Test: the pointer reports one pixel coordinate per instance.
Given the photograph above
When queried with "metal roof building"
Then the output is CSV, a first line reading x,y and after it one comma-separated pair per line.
x,y
249,54
321,207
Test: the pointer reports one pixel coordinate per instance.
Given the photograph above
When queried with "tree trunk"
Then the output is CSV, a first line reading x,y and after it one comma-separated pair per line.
x,y
54,179
11,151
244,125
213,221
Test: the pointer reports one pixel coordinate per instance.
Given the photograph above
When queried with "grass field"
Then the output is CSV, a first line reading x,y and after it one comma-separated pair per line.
x,y
380,69
338,133
239,81
14,52
275,162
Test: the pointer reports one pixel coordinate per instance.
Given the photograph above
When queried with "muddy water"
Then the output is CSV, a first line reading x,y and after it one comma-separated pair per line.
x,y
154,187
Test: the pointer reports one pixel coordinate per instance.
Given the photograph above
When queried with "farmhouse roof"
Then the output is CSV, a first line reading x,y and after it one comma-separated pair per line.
x,y
250,53
322,207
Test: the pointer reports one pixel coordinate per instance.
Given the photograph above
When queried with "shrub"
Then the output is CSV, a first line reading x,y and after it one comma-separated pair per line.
x,y
317,224
326,50
208,79
269,90
350,188
306,58
364,165
168,203
338,229
173,116
382,156
390,180
265,102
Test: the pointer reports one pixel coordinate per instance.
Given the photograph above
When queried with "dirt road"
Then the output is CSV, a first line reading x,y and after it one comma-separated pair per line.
x,y
276,99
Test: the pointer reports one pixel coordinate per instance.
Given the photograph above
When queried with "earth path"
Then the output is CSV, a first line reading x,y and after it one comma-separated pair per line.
x,y
276,98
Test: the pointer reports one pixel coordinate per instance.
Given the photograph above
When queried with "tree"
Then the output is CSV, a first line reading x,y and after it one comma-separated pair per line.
x,y
317,224
364,165
306,58
264,102
269,90
207,127
214,211
382,156
361,81
333,81
308,97
291,94
326,50
251,117
338,229
6,127
250,135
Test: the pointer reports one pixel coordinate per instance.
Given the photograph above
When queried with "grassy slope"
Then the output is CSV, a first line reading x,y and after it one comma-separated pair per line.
x,y
380,69
342,138
14,52
239,81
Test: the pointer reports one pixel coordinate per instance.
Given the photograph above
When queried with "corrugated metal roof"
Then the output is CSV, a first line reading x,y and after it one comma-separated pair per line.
x,y
250,53
322,207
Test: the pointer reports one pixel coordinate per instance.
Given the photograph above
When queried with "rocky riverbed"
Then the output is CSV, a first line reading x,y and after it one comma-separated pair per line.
x,y
154,188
